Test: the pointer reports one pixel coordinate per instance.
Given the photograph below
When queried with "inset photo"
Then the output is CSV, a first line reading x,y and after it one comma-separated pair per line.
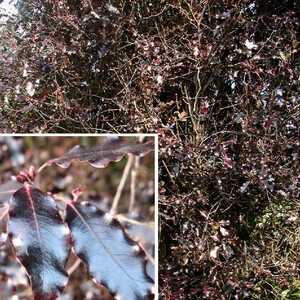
x,y
78,217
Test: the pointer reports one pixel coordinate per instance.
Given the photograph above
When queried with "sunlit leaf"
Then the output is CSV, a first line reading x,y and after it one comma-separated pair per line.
x,y
144,234
140,232
113,259
40,239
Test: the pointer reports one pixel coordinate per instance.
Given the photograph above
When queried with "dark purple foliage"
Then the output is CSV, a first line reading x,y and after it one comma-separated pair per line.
x,y
40,239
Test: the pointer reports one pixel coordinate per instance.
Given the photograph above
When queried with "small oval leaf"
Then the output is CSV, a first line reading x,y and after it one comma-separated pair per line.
x,y
113,259
40,239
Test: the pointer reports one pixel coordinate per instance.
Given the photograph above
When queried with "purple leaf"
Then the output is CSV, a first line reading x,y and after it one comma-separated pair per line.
x,y
140,232
112,257
144,234
101,155
40,239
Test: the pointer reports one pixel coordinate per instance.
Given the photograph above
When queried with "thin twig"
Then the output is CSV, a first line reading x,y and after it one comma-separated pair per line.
x,y
46,164
9,191
4,211
169,173
121,185
133,183
91,6
134,171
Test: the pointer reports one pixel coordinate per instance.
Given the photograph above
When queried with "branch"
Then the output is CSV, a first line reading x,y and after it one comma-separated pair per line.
x,y
121,185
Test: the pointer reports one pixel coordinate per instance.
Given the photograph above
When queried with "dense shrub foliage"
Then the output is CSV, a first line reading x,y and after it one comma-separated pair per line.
x,y
147,64
219,81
